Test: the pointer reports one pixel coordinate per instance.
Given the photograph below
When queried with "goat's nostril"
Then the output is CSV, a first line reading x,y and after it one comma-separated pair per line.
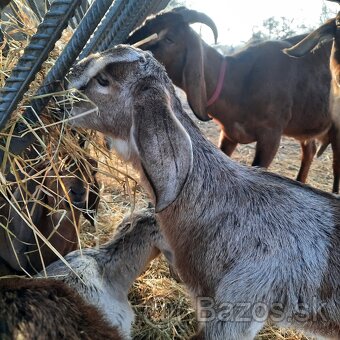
x,y
78,197
77,191
78,194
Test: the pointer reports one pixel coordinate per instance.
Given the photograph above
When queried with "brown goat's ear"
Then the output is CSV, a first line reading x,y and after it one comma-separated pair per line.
x,y
18,226
193,78
163,145
321,35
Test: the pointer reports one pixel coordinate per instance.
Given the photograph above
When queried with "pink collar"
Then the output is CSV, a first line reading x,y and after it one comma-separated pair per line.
x,y
219,85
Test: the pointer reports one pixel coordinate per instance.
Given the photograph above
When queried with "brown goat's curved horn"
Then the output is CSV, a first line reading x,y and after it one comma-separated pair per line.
x,y
190,16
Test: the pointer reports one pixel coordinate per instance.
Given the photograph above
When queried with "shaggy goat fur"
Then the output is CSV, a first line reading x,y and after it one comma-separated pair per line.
x,y
39,309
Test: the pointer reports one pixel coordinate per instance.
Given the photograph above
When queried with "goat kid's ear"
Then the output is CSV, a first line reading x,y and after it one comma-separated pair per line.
x,y
18,227
193,79
164,146
321,35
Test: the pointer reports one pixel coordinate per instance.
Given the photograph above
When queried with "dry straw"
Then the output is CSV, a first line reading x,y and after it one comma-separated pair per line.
x,y
163,309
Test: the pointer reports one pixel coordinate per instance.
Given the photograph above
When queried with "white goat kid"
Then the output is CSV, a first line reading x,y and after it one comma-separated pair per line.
x,y
251,246
104,276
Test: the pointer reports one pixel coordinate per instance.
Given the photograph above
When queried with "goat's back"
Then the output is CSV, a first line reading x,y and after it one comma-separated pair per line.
x,y
279,91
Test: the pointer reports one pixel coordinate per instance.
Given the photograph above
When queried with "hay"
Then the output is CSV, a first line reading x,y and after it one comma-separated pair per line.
x,y
161,305
163,309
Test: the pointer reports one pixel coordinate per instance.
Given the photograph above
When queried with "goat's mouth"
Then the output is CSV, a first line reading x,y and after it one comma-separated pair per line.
x,y
77,117
76,204
79,204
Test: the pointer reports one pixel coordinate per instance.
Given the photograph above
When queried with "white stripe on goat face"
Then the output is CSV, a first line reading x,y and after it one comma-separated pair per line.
x,y
102,89
122,147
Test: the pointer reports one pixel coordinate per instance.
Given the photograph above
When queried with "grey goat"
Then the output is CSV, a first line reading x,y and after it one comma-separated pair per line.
x,y
251,246
104,276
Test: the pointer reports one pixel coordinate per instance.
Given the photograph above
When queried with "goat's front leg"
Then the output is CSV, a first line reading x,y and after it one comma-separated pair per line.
x,y
335,142
308,151
266,147
230,315
226,145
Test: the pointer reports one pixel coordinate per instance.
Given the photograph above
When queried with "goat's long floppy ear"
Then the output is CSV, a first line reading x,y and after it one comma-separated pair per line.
x,y
323,34
18,226
164,146
193,78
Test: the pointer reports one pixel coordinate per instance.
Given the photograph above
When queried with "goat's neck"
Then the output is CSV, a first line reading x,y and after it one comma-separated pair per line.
x,y
62,224
59,216
236,70
124,260
212,68
179,227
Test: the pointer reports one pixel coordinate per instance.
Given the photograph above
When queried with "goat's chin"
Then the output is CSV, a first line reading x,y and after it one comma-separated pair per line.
x,y
76,121
80,204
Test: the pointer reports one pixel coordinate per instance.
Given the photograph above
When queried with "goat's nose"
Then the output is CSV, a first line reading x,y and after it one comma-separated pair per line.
x,y
78,195
77,191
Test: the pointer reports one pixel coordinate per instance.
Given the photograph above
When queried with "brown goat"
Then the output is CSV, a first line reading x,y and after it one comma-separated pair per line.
x,y
264,95
53,203
330,30
39,309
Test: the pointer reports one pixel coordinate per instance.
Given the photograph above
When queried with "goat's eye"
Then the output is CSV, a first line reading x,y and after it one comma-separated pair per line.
x,y
168,40
102,81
